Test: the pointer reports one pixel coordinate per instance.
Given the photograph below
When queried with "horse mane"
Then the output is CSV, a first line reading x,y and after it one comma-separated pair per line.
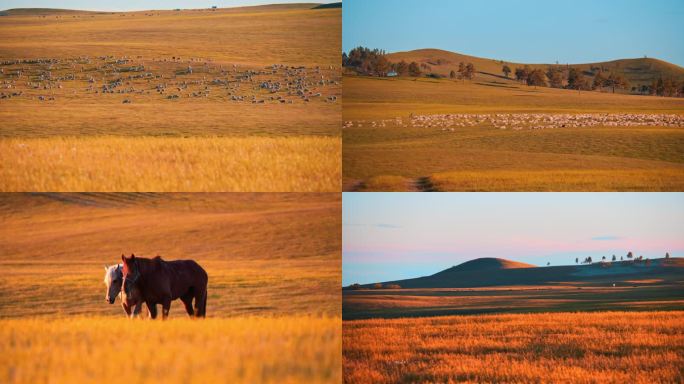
x,y
145,264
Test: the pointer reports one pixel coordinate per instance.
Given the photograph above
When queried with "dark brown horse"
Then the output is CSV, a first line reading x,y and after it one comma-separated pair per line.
x,y
155,281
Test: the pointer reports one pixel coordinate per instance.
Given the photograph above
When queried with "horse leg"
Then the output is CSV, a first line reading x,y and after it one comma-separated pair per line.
x,y
126,309
201,303
136,310
166,306
152,307
187,300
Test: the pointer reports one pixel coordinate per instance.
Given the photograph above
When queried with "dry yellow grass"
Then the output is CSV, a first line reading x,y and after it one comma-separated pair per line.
x,y
258,164
663,179
291,349
602,347
484,158
266,254
289,34
244,146
273,307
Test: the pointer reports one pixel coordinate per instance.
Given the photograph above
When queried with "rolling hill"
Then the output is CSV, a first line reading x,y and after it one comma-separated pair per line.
x,y
486,272
637,72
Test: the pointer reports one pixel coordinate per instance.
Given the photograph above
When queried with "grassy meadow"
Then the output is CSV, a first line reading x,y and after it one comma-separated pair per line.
x,y
123,81
606,347
273,308
114,163
483,158
237,350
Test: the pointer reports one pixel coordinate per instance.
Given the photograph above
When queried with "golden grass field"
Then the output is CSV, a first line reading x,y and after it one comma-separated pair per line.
x,y
483,158
631,293
63,98
273,308
104,163
601,347
289,349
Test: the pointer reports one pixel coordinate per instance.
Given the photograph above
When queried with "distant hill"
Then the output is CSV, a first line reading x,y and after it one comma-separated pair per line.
x,y
486,272
486,264
641,71
38,12
326,6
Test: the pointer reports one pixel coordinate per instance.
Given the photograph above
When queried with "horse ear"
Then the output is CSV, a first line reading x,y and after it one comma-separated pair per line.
x,y
123,258
132,256
106,269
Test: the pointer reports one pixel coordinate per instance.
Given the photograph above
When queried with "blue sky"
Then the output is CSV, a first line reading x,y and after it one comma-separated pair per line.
x,y
389,236
528,31
130,5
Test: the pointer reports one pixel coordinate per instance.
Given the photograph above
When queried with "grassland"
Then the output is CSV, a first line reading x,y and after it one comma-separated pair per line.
x,y
483,158
273,305
104,163
629,295
602,347
100,76
290,349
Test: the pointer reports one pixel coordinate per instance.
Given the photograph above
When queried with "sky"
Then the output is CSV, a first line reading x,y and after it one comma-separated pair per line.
x,y
523,31
391,236
140,5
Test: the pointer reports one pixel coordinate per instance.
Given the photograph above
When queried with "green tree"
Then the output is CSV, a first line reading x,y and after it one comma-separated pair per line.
x,y
469,71
616,81
401,68
461,70
555,77
573,75
599,81
506,70
521,74
414,69
536,78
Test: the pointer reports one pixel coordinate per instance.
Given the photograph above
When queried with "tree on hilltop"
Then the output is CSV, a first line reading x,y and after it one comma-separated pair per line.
x,y
616,81
555,76
506,70
599,81
536,78
402,68
469,71
414,69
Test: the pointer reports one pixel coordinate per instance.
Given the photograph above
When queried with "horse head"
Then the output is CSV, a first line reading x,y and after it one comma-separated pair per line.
x,y
130,293
113,279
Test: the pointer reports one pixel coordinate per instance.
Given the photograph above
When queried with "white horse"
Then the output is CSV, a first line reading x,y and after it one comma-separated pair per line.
x,y
113,279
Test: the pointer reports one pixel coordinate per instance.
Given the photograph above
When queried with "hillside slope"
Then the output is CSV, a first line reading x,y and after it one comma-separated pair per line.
x,y
500,272
637,72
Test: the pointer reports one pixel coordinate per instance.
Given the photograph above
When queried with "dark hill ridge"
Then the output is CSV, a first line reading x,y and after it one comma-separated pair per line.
x,y
487,272
328,6
486,263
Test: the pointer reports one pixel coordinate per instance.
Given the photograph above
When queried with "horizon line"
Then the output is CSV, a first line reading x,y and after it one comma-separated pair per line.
x,y
579,264
265,4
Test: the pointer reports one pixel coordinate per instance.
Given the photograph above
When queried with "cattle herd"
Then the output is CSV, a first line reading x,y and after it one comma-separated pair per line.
x,y
128,78
525,121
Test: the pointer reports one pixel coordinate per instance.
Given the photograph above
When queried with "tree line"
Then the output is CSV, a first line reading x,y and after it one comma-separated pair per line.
x,y
557,76
372,62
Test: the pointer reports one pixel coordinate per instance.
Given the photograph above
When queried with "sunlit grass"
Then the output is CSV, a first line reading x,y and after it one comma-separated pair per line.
x,y
291,349
256,164
640,347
